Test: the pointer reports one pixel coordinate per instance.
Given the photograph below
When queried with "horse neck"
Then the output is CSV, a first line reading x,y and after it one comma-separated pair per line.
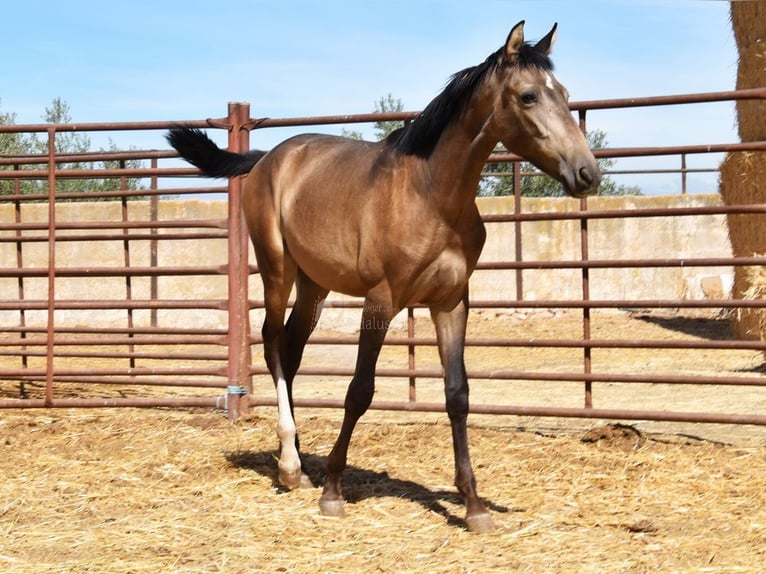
x,y
459,157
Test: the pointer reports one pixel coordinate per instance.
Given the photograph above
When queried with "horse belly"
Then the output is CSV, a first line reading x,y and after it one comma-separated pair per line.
x,y
322,226
327,256
334,276
442,283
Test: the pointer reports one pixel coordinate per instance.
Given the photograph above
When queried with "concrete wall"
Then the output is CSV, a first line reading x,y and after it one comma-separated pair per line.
x,y
612,239
657,237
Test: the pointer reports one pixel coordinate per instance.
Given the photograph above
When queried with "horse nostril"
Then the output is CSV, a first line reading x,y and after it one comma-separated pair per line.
x,y
585,176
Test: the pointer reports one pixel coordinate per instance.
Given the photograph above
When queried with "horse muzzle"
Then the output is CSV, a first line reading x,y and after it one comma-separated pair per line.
x,y
581,181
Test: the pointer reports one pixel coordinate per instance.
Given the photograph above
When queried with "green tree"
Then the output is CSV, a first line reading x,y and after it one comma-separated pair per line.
x,y
545,186
11,145
382,129
387,104
66,143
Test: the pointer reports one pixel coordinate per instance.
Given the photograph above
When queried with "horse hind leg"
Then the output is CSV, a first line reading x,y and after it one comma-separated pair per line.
x,y
303,318
278,274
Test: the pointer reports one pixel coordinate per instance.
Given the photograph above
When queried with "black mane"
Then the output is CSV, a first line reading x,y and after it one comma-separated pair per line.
x,y
421,135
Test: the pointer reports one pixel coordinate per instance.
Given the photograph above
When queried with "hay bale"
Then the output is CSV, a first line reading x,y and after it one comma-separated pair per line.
x,y
749,23
752,322
742,177
748,20
751,73
742,174
742,183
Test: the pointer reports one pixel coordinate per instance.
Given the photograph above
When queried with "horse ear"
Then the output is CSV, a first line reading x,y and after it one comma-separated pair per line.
x,y
546,44
515,40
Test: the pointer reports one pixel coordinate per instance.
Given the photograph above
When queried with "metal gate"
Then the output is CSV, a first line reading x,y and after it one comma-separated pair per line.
x,y
65,343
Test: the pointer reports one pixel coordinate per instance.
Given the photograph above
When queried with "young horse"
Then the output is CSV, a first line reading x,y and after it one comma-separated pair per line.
x,y
394,222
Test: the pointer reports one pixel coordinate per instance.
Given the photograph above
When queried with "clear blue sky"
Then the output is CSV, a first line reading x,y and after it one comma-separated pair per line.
x,y
179,60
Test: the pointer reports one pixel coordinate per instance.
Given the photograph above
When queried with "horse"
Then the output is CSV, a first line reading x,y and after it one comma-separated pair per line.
x,y
394,222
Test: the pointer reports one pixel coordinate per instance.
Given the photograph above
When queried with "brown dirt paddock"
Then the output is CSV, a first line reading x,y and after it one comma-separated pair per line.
x,y
160,490
187,491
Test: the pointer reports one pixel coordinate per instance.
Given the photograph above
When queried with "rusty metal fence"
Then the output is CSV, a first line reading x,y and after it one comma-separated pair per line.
x,y
63,346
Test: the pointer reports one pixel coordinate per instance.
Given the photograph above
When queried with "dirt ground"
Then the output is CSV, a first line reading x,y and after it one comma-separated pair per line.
x,y
648,326
146,491
159,490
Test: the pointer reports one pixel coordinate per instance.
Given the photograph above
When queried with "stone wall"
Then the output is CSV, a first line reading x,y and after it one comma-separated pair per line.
x,y
656,237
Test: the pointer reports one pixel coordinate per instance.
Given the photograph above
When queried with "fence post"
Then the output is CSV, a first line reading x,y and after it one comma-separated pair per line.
x,y
127,262
411,353
153,245
517,229
587,366
20,280
51,306
240,381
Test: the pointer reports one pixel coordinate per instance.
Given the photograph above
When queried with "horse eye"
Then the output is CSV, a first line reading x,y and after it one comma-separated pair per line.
x,y
528,98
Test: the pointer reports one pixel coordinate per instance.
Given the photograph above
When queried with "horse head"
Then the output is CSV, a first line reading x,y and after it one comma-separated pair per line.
x,y
532,118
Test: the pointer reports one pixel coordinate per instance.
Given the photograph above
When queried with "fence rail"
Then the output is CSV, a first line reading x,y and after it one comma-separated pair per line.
x,y
63,344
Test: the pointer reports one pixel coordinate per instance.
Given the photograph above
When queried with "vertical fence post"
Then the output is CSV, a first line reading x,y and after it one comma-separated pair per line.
x,y
517,229
153,246
51,303
411,352
585,287
127,263
20,281
240,382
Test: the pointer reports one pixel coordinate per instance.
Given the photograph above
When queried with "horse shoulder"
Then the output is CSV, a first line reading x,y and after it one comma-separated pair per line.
x,y
443,262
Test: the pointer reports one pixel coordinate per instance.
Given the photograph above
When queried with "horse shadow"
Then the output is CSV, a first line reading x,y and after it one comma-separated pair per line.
x,y
361,484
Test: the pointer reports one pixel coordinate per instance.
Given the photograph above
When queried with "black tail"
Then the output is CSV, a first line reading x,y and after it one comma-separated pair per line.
x,y
199,150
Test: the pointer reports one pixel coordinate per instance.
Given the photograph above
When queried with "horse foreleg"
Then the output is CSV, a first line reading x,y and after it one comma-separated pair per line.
x,y
375,321
450,333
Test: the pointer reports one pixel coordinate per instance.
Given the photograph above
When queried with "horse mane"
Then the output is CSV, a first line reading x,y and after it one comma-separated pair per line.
x,y
420,136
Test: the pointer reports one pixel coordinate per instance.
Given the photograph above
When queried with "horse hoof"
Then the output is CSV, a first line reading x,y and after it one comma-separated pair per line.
x,y
291,479
306,481
334,508
480,523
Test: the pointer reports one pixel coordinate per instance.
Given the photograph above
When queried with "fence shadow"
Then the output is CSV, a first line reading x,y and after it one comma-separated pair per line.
x,y
712,329
719,329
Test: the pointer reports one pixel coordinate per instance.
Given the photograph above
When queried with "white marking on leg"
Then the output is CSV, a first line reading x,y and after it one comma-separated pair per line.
x,y
289,461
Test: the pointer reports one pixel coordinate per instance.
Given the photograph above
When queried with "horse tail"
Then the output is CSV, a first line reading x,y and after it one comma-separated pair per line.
x,y
199,150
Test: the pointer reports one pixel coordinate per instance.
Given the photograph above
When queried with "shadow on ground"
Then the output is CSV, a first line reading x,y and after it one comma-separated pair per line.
x,y
712,329
360,484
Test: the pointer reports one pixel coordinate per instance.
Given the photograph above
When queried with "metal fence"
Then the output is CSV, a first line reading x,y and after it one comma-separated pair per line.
x,y
148,355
